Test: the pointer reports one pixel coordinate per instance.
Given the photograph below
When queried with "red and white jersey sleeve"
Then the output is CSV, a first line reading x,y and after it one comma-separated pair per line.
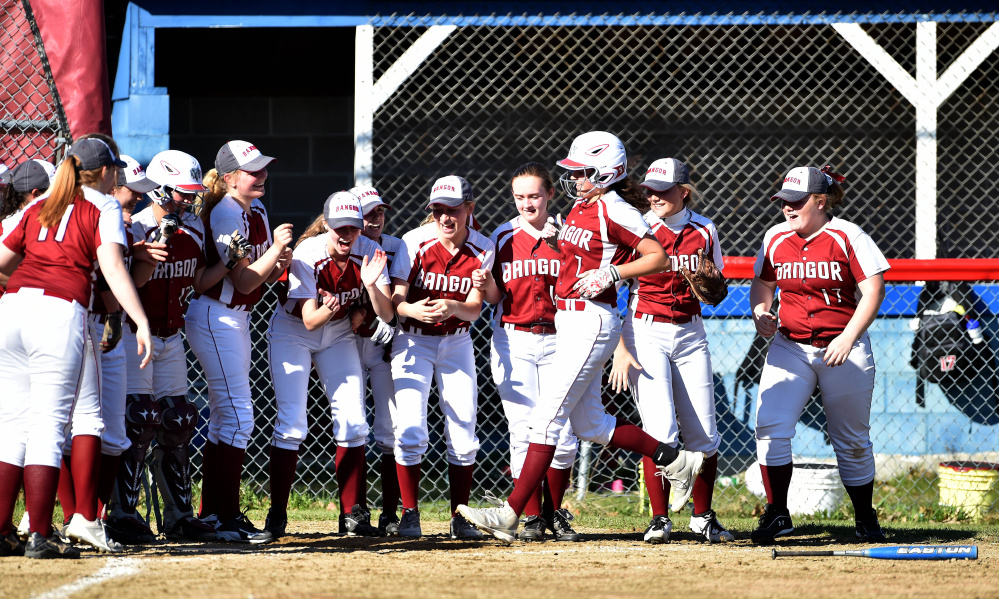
x,y
97,305
594,235
434,273
312,268
818,276
164,298
667,293
392,246
61,261
227,218
525,270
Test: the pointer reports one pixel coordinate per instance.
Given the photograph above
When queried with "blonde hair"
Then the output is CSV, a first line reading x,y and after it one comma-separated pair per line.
x,y
316,228
468,222
693,196
217,188
67,186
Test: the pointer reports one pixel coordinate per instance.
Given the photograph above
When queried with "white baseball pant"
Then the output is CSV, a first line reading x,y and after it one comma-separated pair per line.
x,y
524,368
220,338
789,376
41,361
584,341
100,406
675,383
379,372
165,375
292,351
450,361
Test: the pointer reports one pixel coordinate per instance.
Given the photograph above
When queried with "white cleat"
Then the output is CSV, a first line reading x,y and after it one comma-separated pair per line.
x,y
681,474
24,528
707,526
501,522
92,533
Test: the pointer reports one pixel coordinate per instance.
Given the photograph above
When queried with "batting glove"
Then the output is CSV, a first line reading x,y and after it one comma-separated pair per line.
x,y
238,249
551,231
594,282
383,332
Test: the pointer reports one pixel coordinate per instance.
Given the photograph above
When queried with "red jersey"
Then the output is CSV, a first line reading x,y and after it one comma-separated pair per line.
x,y
61,261
667,293
227,217
433,273
818,276
526,271
392,246
312,268
166,295
593,237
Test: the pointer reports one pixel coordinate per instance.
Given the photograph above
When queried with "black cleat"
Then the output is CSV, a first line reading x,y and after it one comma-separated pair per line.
x,y
38,547
559,525
388,524
534,529
868,529
276,524
773,523
11,545
358,523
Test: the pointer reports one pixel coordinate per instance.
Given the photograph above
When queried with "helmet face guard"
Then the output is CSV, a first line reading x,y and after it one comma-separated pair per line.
x,y
569,184
191,202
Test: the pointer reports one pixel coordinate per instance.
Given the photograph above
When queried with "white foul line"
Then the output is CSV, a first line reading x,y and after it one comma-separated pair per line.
x,y
116,567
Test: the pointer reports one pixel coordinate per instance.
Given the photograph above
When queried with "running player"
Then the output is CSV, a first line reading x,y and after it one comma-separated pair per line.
x,y
43,326
523,360
664,341
218,326
312,326
831,279
374,343
603,220
436,304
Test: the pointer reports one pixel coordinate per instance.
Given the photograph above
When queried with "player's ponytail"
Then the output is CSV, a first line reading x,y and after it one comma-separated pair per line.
x,y
632,194
217,188
68,184
693,196
318,227
834,197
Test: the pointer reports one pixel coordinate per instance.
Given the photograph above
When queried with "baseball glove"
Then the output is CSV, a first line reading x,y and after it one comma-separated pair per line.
x,y
707,282
552,228
112,332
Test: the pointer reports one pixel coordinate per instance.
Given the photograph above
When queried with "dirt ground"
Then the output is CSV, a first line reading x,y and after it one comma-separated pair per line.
x,y
314,563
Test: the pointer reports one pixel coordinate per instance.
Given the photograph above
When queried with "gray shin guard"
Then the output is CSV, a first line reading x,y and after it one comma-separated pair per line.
x,y
171,463
142,419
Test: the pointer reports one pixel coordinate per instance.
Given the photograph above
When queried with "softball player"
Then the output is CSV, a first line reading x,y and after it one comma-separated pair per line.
x,y
603,220
326,276
830,274
374,342
157,397
43,327
218,321
663,339
523,360
32,181
436,303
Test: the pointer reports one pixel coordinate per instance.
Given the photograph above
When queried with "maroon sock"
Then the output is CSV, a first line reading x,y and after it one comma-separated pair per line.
x,y
282,472
40,484
533,505
209,480
777,481
390,484
86,458
657,486
11,477
632,438
409,485
862,497
350,477
704,485
460,480
558,482
230,471
539,458
67,496
105,480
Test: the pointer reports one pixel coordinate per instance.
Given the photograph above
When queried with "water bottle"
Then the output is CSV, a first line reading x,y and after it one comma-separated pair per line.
x,y
974,330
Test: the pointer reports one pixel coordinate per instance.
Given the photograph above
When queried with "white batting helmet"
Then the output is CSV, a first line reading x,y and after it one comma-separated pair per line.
x,y
600,155
175,170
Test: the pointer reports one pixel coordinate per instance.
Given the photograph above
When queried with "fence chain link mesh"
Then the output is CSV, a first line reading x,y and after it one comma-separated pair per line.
x,y
740,104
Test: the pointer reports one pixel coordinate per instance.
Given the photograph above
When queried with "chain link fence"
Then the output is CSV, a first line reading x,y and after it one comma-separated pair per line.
x,y
740,100
32,123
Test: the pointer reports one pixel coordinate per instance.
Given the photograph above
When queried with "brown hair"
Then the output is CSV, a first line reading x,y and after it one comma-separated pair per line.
x,y
11,201
834,197
67,186
316,228
632,194
535,169
217,188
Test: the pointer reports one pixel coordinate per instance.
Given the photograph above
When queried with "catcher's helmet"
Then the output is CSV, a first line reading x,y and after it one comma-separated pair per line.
x,y
174,170
600,155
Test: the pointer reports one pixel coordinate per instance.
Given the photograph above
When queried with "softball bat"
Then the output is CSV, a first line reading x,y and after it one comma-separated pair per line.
x,y
896,552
